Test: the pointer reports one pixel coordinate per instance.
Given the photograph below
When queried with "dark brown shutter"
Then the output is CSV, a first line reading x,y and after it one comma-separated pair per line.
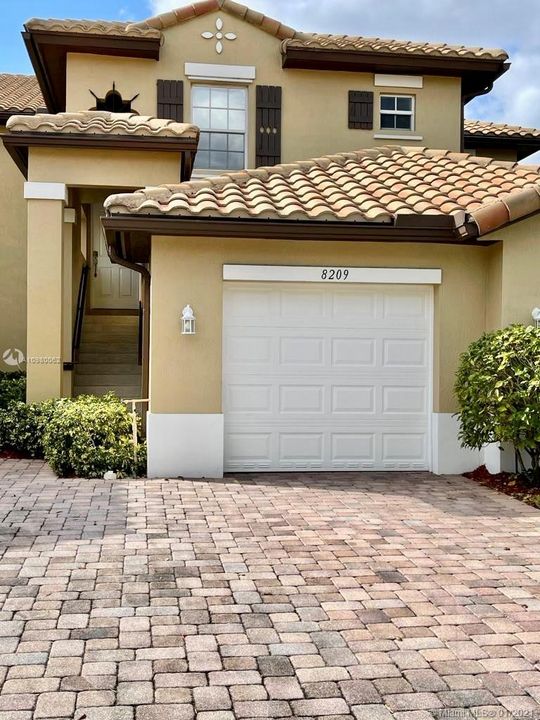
x,y
170,100
360,109
268,130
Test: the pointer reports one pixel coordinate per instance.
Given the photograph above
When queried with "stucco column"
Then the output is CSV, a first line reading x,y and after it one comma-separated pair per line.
x,y
45,326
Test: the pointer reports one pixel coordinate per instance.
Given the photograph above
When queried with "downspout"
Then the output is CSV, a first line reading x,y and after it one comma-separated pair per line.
x,y
145,284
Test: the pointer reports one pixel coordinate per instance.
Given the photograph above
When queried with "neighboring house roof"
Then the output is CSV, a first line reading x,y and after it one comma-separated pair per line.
x,y
19,94
101,122
484,128
381,185
100,129
489,135
478,67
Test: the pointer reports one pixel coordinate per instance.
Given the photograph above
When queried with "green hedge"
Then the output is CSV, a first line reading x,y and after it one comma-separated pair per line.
x,y
12,388
83,437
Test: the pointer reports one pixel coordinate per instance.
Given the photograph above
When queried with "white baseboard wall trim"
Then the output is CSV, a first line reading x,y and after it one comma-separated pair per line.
x,y
449,458
189,446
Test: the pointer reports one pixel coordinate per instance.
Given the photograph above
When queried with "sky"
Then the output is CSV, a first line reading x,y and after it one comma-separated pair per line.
x,y
513,25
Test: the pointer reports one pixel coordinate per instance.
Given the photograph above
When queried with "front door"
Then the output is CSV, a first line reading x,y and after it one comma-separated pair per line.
x,y
112,287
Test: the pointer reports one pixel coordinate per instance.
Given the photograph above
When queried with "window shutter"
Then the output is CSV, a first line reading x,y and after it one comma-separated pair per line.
x,y
170,100
360,109
268,131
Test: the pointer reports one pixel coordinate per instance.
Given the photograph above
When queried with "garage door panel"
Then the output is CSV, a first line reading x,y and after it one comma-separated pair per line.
x,y
300,399
353,399
353,352
332,378
300,351
353,447
401,352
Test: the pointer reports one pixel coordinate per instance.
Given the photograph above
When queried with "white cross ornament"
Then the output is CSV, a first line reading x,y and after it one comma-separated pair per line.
x,y
219,35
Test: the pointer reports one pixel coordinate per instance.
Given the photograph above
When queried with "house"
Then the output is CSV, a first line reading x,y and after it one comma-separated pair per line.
x,y
339,232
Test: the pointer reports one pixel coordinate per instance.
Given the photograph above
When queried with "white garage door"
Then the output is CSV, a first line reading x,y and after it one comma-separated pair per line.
x,y
319,377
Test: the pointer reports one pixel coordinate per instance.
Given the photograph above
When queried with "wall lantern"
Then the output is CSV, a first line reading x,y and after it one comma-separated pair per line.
x,y
536,316
188,321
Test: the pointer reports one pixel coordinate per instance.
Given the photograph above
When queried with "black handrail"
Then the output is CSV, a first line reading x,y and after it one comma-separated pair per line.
x,y
79,316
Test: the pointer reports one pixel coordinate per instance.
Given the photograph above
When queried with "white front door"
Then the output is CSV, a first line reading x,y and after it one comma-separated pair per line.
x,y
319,377
111,286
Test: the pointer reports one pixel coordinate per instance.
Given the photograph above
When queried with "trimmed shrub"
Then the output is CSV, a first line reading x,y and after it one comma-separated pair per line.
x,y
12,388
22,427
89,435
498,389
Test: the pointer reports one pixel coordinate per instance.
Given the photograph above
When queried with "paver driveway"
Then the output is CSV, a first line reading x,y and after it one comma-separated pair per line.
x,y
376,596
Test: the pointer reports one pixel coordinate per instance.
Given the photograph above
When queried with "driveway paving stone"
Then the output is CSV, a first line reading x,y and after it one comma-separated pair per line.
x,y
367,596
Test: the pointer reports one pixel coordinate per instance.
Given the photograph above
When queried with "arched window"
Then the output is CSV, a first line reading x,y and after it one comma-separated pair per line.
x,y
113,102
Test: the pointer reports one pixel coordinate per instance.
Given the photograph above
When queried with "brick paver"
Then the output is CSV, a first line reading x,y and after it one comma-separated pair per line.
x,y
343,596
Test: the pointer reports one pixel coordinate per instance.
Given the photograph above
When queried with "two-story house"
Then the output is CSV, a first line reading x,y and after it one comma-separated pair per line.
x,y
340,233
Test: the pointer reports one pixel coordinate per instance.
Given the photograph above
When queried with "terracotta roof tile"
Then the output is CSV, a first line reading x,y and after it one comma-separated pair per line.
x,y
356,186
397,47
153,26
20,94
95,122
91,27
483,128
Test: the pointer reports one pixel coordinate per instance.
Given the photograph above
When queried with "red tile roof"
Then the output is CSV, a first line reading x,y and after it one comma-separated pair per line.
x,y
372,185
20,94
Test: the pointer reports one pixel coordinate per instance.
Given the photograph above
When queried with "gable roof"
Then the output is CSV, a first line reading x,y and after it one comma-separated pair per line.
x,y
479,67
386,185
152,27
19,94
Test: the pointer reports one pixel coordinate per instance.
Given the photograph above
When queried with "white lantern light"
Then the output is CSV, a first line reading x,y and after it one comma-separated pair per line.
x,y
188,321
536,316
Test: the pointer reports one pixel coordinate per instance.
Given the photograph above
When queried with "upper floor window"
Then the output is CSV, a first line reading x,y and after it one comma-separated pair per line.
x,y
397,112
220,113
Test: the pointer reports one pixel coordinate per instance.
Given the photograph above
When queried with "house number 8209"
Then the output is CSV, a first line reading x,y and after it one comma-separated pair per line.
x,y
334,274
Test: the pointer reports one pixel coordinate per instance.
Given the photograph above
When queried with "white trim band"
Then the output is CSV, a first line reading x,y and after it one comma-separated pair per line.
x,y
333,274
220,73
182,445
45,191
399,81
388,136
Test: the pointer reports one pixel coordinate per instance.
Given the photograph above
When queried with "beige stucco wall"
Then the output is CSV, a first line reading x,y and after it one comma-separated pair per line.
x,y
12,258
185,375
103,168
519,270
315,103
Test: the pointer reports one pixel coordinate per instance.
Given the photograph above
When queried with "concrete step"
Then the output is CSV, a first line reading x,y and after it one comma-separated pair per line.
x,y
129,392
108,357
118,379
106,368
130,358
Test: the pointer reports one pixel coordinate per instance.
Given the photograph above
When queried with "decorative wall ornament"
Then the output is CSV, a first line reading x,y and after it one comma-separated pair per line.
x,y
219,36
113,101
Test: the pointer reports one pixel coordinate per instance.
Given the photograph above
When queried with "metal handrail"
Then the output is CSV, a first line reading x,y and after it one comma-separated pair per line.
x,y
79,316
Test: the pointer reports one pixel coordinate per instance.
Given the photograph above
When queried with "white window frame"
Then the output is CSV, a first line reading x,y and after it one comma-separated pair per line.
x,y
204,172
409,113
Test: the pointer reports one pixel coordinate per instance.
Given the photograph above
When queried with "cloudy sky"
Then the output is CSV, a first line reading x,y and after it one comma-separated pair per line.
x,y
513,25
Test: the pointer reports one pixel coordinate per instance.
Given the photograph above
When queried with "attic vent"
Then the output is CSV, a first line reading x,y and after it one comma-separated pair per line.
x,y
113,102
